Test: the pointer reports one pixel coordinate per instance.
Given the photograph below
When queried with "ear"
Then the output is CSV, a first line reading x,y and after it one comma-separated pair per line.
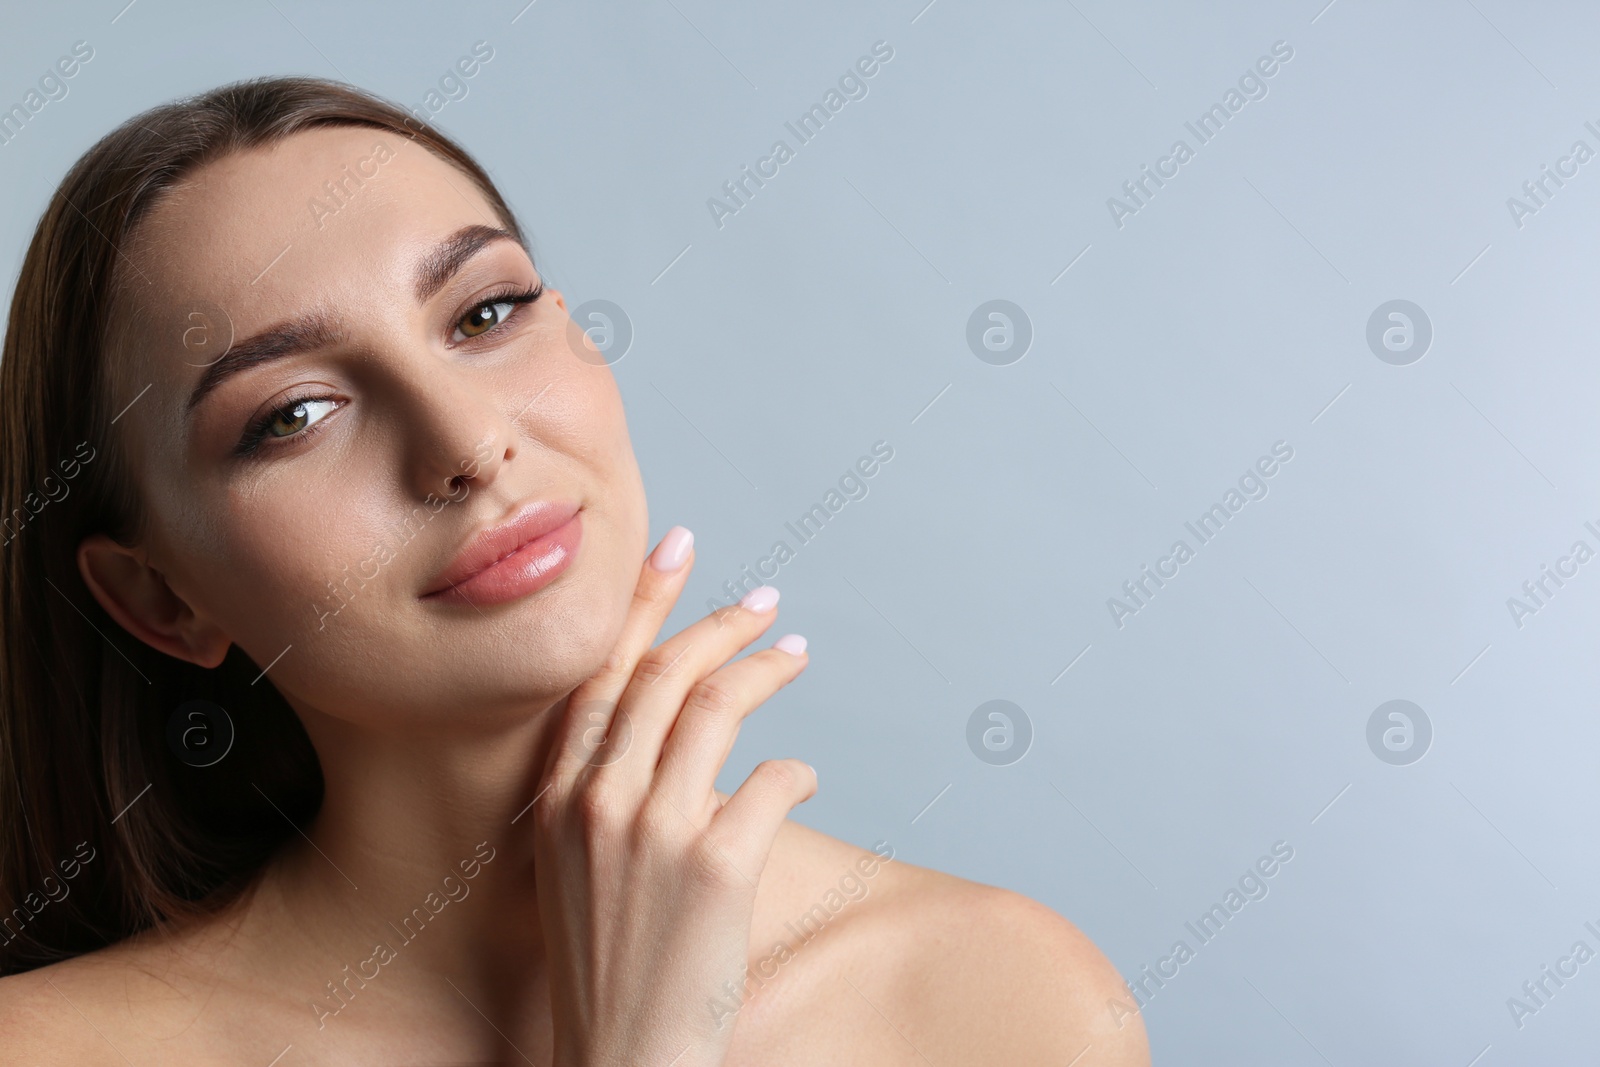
x,y
138,597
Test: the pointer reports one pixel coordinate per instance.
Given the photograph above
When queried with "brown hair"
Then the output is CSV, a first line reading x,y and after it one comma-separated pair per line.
x,y
104,831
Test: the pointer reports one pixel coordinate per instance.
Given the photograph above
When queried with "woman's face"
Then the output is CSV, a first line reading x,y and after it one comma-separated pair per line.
x,y
431,407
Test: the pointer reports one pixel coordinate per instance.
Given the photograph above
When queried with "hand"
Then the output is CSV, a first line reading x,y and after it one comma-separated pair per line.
x,y
646,880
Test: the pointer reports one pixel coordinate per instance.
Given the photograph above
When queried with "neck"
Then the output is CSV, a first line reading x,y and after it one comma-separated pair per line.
x,y
418,865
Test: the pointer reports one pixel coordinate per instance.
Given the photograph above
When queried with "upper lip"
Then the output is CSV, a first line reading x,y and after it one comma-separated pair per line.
x,y
484,549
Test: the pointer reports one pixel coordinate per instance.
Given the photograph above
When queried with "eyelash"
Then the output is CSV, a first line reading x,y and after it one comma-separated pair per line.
x,y
518,297
255,434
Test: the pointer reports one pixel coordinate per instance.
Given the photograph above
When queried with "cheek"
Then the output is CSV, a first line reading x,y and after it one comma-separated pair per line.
x,y
620,480
286,546
593,424
284,559
583,418
322,595
580,414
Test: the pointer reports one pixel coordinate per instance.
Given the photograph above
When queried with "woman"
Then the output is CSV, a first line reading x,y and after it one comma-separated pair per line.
x,y
336,729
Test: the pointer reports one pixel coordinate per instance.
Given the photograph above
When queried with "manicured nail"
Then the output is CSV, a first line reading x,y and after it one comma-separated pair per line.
x,y
793,644
673,550
764,598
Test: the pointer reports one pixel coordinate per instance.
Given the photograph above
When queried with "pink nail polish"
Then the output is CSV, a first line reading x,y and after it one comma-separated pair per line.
x,y
673,550
793,644
763,598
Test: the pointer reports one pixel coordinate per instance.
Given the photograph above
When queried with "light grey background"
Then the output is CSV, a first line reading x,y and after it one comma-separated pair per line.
x,y
1228,314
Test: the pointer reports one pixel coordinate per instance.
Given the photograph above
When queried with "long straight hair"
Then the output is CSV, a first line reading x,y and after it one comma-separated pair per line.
x,y
104,830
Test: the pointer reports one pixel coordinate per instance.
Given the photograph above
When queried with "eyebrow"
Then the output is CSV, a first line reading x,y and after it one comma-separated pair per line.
x,y
304,334
315,330
449,255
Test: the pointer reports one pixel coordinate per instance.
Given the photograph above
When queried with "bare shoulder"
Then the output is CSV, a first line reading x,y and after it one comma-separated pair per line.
x,y
1000,978
42,1013
953,969
136,996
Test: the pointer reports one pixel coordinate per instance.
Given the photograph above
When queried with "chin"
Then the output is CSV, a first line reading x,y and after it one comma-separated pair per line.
x,y
555,643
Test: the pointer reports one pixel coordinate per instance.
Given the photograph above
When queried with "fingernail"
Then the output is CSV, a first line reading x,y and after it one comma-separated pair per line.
x,y
673,549
793,644
764,598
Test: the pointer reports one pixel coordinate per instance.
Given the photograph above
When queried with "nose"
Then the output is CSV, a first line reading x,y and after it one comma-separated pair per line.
x,y
456,434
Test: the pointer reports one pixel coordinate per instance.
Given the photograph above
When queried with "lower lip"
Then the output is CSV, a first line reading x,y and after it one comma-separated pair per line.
x,y
527,570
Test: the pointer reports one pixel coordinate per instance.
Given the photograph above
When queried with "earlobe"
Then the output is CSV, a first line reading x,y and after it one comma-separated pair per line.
x,y
138,597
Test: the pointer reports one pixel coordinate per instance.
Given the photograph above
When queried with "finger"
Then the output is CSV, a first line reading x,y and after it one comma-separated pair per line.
x,y
669,672
661,580
704,733
749,822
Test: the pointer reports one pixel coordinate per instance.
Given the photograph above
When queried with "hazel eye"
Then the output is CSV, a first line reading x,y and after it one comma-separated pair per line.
x,y
296,417
485,317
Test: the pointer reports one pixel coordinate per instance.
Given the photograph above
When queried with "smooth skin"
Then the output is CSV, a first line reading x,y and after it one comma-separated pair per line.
x,y
611,896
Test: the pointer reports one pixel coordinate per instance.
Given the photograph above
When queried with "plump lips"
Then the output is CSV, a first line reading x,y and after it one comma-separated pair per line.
x,y
514,558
